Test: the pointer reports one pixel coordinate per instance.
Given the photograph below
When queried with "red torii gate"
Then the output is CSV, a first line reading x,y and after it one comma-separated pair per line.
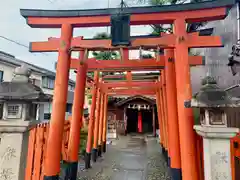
x,y
178,15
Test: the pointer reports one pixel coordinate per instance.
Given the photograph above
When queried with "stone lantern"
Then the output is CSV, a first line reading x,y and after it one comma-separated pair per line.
x,y
19,98
213,103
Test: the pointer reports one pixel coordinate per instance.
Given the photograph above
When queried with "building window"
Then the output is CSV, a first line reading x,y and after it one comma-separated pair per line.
x,y
71,87
48,83
14,111
36,82
1,76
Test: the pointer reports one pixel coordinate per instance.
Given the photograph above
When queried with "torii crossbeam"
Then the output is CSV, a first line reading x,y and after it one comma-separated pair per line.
x,y
192,12
132,64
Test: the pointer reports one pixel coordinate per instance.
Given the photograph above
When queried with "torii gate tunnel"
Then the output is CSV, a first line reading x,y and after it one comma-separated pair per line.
x,y
171,90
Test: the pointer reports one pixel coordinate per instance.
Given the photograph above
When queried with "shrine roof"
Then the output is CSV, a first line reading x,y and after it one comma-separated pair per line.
x,y
131,98
130,10
22,91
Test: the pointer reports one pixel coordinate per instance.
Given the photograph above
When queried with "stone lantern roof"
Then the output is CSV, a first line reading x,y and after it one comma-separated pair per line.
x,y
210,95
20,88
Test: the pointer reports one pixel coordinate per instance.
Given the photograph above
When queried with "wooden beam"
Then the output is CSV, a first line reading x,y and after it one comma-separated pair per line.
x,y
129,84
196,41
151,88
53,44
134,64
132,92
164,17
166,41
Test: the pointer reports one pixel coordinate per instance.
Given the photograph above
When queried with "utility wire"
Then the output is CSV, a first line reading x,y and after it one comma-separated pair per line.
x,y
3,37
20,44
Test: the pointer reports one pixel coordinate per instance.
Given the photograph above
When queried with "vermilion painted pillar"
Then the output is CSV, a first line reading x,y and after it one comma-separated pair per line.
x,y
125,120
91,122
96,127
139,122
166,114
184,93
163,124
54,142
164,96
153,121
165,145
104,133
159,119
76,121
171,92
100,129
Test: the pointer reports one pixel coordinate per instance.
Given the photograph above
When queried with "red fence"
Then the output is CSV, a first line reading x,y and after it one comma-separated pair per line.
x,y
200,156
235,158
38,136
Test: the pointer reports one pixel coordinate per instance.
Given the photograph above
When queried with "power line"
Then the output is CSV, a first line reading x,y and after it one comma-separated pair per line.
x,y
23,45
18,43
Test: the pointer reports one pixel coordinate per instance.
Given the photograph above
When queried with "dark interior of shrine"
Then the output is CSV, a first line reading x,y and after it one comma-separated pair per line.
x,y
132,121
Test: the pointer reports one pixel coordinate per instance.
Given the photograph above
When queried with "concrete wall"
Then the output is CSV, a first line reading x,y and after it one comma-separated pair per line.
x,y
217,58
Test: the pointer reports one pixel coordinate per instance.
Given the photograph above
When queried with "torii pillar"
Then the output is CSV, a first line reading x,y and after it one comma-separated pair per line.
x,y
76,121
91,122
171,95
184,93
163,108
54,142
96,126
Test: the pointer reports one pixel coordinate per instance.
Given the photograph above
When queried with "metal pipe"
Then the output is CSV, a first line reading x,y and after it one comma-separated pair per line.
x,y
232,87
238,21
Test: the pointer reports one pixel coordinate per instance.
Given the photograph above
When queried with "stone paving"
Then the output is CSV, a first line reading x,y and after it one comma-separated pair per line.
x,y
129,158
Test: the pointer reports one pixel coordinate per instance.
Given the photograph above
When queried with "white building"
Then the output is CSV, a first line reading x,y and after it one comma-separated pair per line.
x,y
40,77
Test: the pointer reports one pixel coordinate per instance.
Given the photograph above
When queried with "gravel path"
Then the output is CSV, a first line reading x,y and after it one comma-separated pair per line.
x,y
129,158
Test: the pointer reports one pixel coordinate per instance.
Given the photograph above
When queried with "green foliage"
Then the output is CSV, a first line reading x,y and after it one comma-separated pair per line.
x,y
83,140
146,56
104,55
158,28
196,114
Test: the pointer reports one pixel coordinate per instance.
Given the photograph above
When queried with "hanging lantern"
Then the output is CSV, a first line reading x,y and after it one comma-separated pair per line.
x,y
120,28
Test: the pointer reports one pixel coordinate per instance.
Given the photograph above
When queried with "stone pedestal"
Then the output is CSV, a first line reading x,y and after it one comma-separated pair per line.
x,y
217,156
13,149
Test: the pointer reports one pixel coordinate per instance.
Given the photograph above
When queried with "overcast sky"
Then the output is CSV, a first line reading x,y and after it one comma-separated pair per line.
x,y
14,27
